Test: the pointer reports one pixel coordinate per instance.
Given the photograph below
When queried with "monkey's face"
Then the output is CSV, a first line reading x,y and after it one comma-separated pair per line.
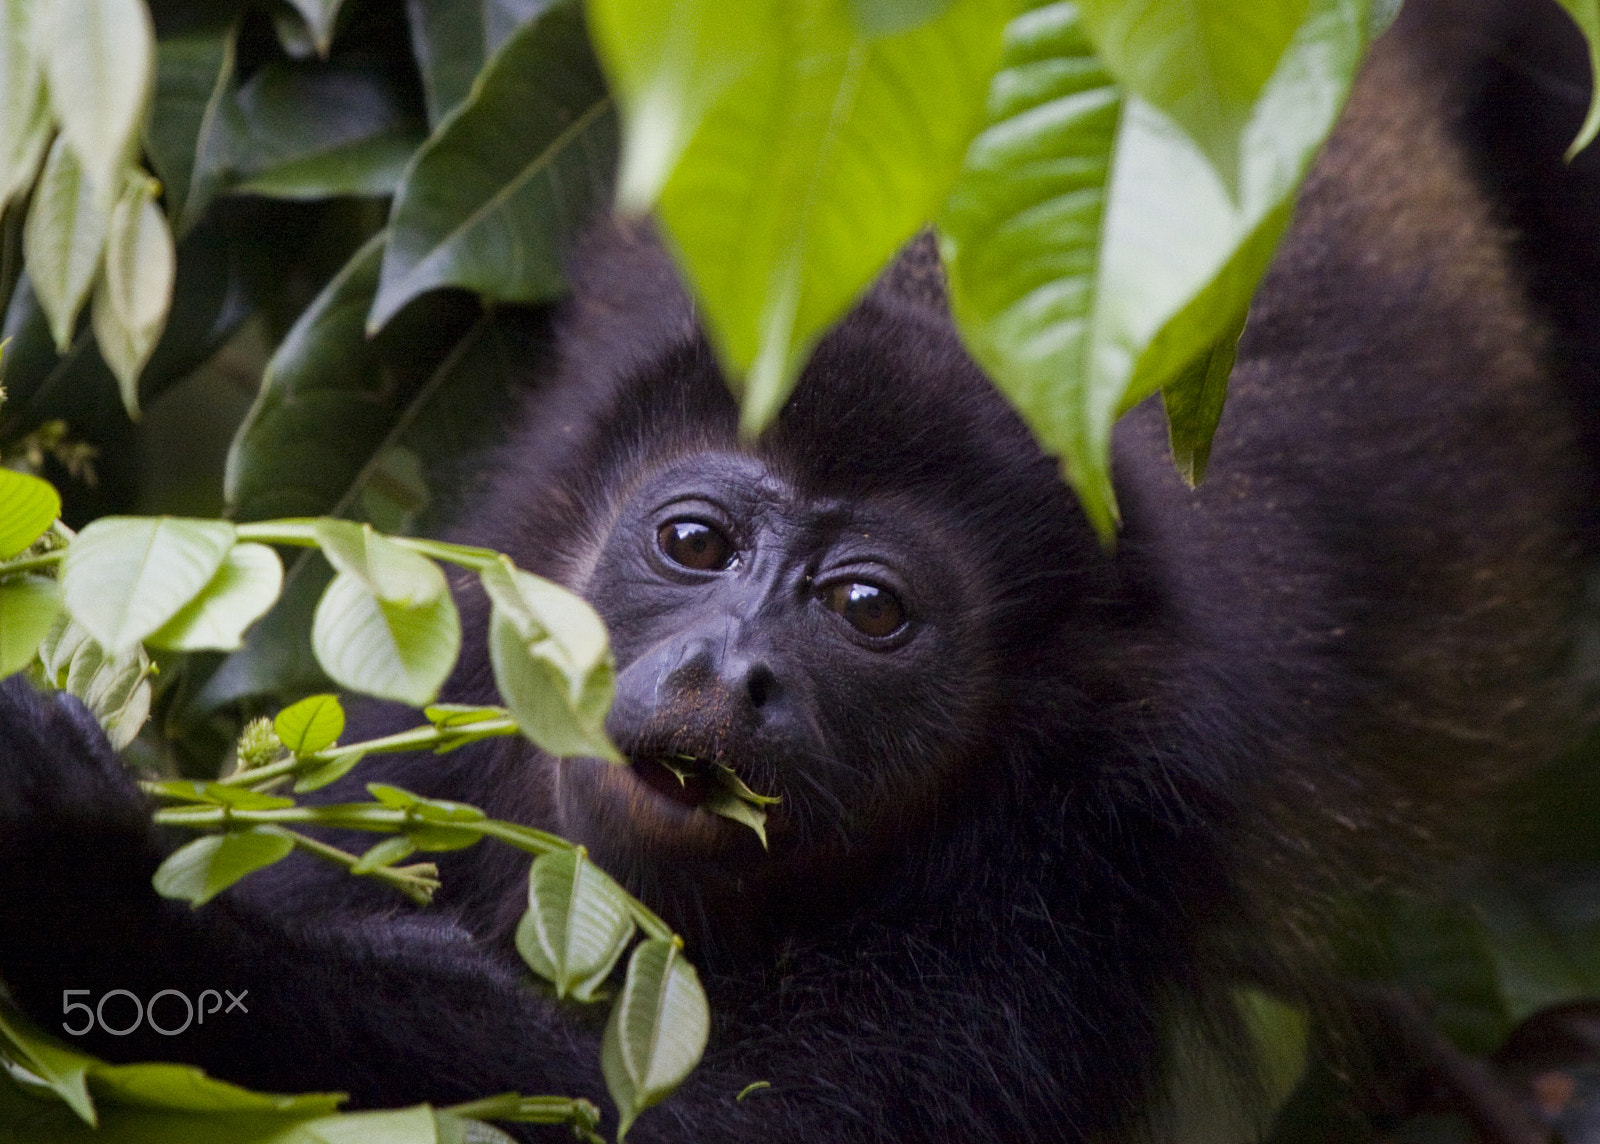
x,y
824,651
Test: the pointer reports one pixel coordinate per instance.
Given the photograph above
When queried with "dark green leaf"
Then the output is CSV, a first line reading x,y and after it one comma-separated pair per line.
x,y
200,870
187,136
487,206
1193,401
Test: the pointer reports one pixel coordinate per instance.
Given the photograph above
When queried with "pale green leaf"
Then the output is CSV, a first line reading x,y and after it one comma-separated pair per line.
x,y
115,688
28,506
392,651
1204,63
63,239
24,110
385,853
200,870
391,572
64,1071
657,1030
490,210
124,577
551,662
311,725
100,61
244,587
577,923
794,154
28,609
134,293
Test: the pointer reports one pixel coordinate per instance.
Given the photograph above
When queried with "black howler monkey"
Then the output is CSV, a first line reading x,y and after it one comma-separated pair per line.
x,y
1033,791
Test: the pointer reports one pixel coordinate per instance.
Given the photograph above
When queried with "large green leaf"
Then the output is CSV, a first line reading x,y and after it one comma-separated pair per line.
x,y
657,1030
393,651
63,240
1094,255
124,577
187,137
577,923
100,62
1202,62
24,110
453,39
200,870
243,588
306,131
551,662
493,194
793,154
391,572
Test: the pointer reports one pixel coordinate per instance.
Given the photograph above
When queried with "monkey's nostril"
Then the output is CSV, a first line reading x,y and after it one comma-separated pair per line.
x,y
760,685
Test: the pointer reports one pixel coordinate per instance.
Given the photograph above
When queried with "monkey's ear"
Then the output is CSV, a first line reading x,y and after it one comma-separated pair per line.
x,y
916,275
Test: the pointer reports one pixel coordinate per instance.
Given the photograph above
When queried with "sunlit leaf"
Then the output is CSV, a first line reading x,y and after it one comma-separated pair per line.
x,y
134,292
879,17
793,155
392,651
551,661
577,923
311,725
488,209
200,870
63,1070
1587,15
100,62
124,577
1202,62
392,573
657,1030
29,606
244,587
28,506
63,239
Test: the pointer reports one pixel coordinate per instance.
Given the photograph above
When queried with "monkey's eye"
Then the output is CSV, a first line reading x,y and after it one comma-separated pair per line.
x,y
871,610
695,545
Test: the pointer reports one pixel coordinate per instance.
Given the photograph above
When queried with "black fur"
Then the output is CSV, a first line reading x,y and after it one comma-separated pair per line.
x,y
1015,843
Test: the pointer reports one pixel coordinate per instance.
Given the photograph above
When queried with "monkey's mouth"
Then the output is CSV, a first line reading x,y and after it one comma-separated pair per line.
x,y
682,779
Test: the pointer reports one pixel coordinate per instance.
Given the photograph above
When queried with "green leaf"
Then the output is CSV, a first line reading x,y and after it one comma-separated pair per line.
x,y
438,824
244,587
881,17
60,1068
391,572
311,725
1587,15
29,606
809,153
488,207
551,662
63,239
1194,400
124,577
577,924
1203,63
392,651
28,506
452,39
305,131
657,1030
134,292
200,870
1094,255
320,17
385,853
330,772
219,794
24,110
193,114
319,398
100,60
115,688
